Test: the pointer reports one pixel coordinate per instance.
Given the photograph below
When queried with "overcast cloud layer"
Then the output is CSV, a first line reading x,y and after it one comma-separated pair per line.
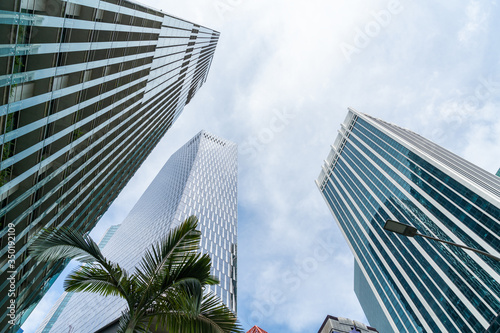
x,y
283,76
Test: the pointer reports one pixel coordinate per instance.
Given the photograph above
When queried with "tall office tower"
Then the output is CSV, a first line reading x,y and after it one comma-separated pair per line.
x,y
378,171
87,89
344,325
199,179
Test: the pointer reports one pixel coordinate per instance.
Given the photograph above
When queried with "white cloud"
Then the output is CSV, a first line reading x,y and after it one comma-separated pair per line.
x,y
482,142
475,22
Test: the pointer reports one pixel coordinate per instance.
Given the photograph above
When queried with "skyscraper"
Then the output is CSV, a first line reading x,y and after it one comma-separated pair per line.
x,y
199,179
378,171
87,89
333,324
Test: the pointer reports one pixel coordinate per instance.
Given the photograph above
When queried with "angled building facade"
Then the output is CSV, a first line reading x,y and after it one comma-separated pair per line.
x,y
87,89
333,324
199,179
378,171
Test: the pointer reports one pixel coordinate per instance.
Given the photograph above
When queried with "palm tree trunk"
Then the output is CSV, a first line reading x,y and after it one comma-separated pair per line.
x,y
131,325
130,328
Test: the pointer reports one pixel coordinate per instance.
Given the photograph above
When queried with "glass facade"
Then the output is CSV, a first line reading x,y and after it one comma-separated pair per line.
x,y
199,179
367,298
87,89
378,171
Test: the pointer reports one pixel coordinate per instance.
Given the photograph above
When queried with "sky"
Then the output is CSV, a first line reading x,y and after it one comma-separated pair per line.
x,y
283,75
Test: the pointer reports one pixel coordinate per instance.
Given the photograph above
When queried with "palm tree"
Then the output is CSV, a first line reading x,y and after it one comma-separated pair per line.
x,y
164,294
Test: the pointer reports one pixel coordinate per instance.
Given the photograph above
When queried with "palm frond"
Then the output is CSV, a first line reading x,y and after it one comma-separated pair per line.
x,y
191,274
177,244
166,291
181,242
196,313
194,266
95,279
54,244
213,312
190,286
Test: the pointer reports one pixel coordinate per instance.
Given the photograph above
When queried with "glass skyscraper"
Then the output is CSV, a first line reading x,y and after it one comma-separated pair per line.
x,y
378,171
199,179
87,89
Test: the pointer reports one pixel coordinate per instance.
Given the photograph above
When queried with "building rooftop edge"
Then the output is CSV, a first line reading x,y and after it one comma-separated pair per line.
x,y
203,131
328,317
168,14
352,113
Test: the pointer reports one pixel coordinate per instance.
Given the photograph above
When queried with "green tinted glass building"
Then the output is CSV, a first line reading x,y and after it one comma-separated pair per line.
x,y
87,89
378,171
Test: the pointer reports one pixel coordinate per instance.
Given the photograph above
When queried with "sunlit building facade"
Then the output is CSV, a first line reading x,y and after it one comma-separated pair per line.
x,y
87,89
199,179
378,171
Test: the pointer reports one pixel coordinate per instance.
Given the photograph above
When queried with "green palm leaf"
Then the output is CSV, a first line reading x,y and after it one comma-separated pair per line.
x,y
166,291
54,244
194,266
91,278
173,249
213,312
195,313
170,261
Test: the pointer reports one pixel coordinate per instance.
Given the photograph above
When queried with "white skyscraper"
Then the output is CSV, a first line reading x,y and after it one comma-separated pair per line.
x,y
199,179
